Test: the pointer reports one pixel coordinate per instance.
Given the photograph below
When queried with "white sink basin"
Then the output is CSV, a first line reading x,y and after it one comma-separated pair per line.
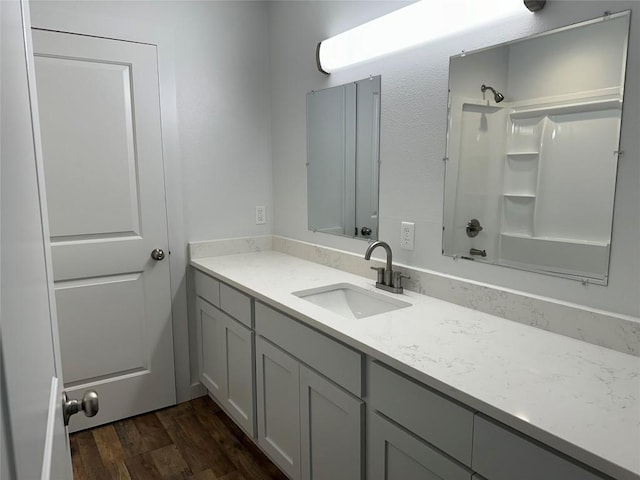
x,y
351,301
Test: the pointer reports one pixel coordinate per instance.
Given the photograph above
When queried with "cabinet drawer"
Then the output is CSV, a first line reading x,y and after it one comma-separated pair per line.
x,y
334,360
208,288
433,417
395,454
501,454
236,304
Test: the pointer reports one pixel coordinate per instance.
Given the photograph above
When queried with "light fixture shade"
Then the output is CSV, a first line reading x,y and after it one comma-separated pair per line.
x,y
412,25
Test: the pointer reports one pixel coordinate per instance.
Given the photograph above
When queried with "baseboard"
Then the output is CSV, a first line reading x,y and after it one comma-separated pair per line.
x,y
197,390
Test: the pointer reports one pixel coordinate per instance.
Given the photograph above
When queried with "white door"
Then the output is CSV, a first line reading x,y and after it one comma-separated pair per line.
x,y
34,441
100,120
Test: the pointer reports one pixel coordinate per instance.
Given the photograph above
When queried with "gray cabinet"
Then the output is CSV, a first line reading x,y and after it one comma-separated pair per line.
x,y
413,431
436,419
331,422
308,421
500,453
395,454
278,392
310,427
237,362
208,321
298,391
207,288
226,363
334,360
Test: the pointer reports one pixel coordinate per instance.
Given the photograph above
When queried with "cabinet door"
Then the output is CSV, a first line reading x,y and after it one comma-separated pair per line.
x,y
278,386
395,454
210,358
238,373
331,430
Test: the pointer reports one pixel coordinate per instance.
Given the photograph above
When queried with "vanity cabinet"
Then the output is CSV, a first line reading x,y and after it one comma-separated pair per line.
x,y
309,425
299,394
226,352
415,432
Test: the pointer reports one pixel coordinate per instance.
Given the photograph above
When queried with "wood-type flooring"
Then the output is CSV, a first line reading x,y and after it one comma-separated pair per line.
x,y
193,440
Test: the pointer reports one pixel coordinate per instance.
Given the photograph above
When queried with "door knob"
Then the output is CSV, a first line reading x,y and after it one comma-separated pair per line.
x,y
89,405
157,254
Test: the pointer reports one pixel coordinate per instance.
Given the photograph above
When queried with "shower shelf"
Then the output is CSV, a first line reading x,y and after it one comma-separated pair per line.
x,y
520,195
522,155
569,108
552,239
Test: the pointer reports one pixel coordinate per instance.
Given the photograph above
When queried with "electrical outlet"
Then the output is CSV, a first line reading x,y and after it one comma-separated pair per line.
x,y
261,215
407,235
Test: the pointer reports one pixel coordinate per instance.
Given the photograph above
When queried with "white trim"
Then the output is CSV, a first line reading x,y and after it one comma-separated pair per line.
x,y
198,390
54,404
44,215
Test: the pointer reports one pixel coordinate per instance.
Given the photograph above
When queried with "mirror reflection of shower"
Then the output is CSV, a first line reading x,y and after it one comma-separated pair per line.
x,y
497,96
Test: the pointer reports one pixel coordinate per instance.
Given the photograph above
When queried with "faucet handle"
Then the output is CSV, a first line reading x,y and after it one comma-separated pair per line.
x,y
397,278
380,271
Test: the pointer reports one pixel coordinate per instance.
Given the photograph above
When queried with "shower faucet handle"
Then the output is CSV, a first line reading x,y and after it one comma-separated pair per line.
x,y
473,228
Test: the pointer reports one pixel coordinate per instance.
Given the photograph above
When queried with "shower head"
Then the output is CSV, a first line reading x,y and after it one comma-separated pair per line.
x,y
497,96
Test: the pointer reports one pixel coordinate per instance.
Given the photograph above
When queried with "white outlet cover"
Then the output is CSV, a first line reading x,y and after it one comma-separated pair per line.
x,y
407,235
261,215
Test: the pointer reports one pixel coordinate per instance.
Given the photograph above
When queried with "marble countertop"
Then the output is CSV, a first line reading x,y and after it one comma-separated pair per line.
x,y
579,398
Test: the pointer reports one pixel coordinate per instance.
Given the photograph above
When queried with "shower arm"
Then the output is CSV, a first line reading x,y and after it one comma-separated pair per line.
x,y
497,96
484,88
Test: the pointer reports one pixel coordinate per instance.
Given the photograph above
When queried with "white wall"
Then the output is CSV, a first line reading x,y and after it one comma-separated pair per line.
x,y
414,99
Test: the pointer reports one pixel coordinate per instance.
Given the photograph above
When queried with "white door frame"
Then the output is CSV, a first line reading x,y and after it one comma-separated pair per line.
x,y
34,441
109,27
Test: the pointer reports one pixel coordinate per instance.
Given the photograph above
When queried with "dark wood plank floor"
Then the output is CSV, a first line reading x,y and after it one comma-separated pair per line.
x,y
194,440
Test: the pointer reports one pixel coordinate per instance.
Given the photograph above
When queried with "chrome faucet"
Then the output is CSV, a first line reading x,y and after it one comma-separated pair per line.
x,y
387,279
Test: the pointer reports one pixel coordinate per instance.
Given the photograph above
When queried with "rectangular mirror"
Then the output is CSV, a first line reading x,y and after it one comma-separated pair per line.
x,y
532,150
343,155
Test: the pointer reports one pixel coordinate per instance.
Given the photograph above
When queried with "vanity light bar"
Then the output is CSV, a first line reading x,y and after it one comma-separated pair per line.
x,y
412,25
